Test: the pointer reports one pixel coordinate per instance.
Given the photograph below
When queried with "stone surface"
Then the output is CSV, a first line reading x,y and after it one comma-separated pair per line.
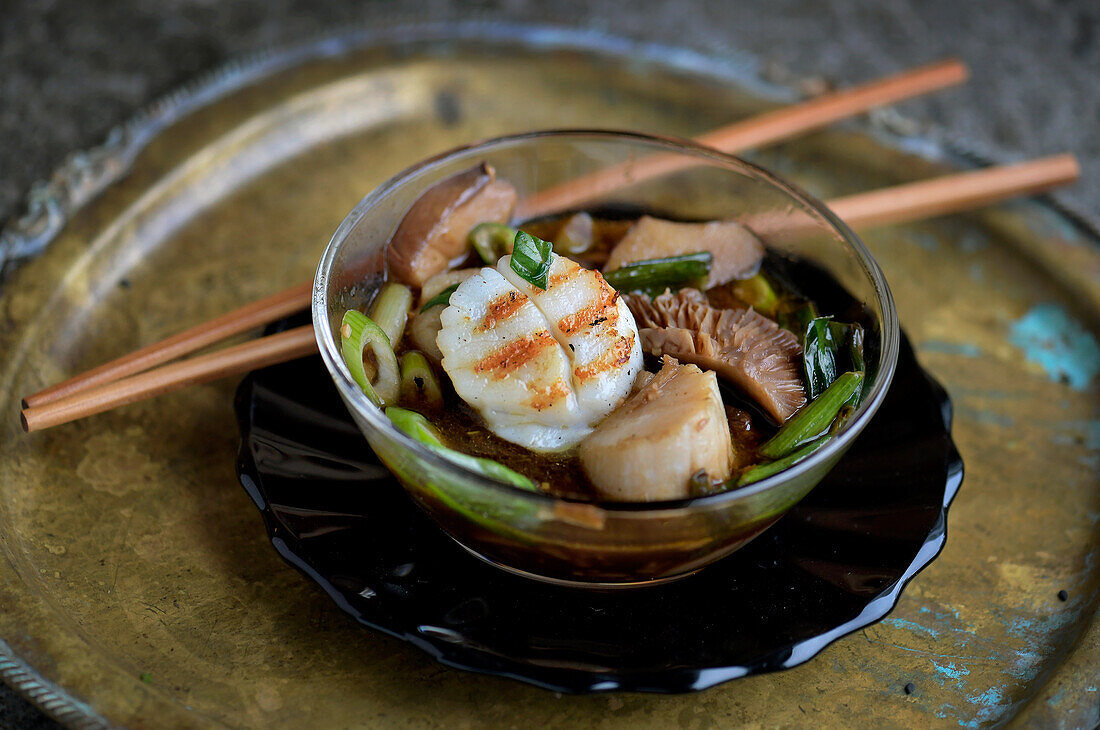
x,y
70,71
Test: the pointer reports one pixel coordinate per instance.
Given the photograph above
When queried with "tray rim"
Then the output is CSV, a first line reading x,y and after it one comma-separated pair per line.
x,y
50,203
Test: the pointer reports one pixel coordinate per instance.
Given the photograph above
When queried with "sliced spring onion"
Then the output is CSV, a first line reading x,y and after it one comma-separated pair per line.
x,y
421,429
492,240
357,333
418,381
761,471
758,292
653,276
813,420
819,351
531,259
390,310
443,297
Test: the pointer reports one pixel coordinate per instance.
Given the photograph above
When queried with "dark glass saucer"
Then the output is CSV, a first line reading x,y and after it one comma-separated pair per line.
x,y
836,563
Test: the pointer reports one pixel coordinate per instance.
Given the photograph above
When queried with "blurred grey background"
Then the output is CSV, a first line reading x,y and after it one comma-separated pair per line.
x,y
69,71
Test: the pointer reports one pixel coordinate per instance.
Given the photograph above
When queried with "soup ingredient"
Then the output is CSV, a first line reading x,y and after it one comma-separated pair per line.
x,y
758,293
819,356
418,382
576,236
813,420
531,259
390,310
762,471
737,252
652,277
419,428
541,366
441,299
432,236
357,333
492,240
595,329
434,296
744,347
652,446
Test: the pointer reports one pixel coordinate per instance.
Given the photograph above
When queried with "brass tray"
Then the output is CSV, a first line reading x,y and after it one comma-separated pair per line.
x,y
137,584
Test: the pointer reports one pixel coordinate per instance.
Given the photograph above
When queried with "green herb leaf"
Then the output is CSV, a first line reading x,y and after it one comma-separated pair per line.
x,y
819,356
652,276
531,259
443,297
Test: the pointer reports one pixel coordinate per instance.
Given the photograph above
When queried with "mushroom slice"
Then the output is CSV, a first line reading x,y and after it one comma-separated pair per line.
x,y
432,237
741,345
649,448
737,252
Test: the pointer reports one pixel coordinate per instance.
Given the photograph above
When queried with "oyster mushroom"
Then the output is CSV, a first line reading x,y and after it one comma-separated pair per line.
x,y
432,236
672,429
737,252
743,346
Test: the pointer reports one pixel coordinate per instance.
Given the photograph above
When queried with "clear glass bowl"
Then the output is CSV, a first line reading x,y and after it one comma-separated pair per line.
x,y
603,544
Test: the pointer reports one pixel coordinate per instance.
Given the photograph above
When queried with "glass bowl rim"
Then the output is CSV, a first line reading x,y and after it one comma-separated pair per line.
x,y
333,359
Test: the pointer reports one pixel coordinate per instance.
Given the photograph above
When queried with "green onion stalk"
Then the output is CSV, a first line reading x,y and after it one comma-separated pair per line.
x,y
813,420
652,276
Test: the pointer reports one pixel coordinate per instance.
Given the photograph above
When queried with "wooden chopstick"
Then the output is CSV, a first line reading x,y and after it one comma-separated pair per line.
x,y
770,127
289,345
760,130
953,193
947,194
256,314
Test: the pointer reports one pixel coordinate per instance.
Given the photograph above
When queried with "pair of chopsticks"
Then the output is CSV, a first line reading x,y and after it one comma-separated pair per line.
x,y
136,376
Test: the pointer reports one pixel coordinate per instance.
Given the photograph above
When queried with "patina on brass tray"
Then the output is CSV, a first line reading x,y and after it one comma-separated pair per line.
x,y
138,587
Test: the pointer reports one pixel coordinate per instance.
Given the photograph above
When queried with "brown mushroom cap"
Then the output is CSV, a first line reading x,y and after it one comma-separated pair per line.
x,y
741,345
432,236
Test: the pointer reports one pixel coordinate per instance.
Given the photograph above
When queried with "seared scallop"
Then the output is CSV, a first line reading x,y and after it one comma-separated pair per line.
x,y
672,429
541,367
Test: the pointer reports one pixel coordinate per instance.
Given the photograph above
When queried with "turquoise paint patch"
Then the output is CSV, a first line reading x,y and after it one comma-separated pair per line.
x,y
916,628
944,347
1059,344
991,704
950,670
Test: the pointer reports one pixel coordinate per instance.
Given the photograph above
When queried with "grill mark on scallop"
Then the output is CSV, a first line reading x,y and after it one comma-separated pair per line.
x,y
507,359
613,357
600,311
500,309
546,398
